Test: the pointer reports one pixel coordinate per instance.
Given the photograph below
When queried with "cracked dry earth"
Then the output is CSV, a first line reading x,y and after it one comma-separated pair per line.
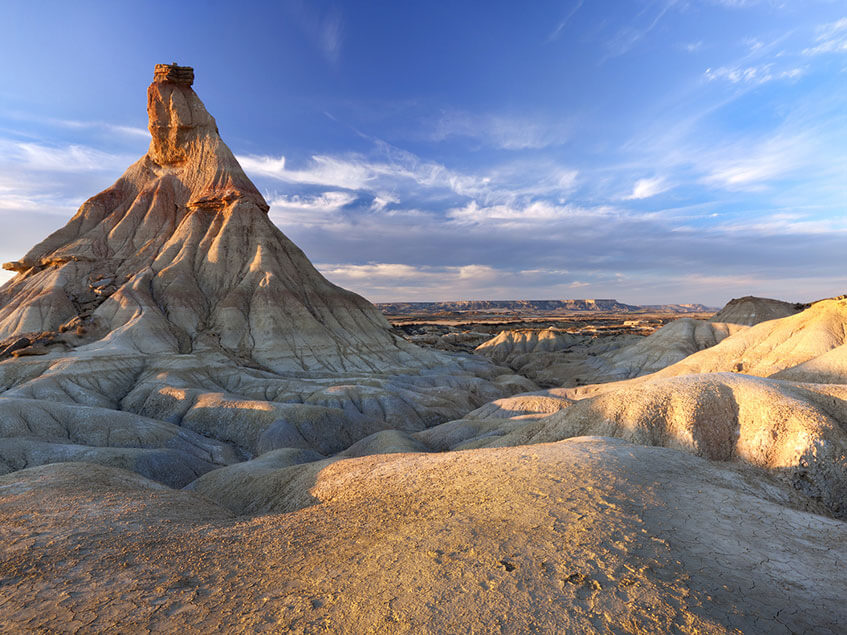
x,y
587,534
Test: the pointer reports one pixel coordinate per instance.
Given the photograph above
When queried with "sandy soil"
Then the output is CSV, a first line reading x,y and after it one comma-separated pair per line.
x,y
588,534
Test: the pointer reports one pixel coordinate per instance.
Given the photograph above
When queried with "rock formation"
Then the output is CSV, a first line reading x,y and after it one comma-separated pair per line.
x,y
798,431
751,310
179,256
509,344
552,357
172,298
807,346
772,395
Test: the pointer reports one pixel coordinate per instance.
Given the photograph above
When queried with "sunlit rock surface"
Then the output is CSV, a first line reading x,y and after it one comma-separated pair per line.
x,y
773,395
585,535
555,357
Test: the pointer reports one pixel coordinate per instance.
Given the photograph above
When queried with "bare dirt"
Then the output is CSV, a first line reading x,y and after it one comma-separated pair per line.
x,y
583,535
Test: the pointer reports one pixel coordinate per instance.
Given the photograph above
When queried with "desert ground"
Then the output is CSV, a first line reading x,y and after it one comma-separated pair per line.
x,y
199,432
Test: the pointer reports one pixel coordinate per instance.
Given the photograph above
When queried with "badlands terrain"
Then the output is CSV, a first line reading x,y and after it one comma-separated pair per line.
x,y
200,432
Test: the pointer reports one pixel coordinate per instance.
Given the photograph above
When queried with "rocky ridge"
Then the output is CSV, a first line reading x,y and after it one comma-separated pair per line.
x,y
520,307
552,357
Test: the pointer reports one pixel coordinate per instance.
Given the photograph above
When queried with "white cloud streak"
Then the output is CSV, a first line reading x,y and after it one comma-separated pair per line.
x,y
629,36
647,188
324,29
308,210
751,165
554,35
399,171
37,157
536,212
386,282
501,131
752,74
831,38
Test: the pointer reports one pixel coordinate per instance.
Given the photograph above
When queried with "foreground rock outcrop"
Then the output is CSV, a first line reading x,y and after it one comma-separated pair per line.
x,y
773,395
172,298
579,536
798,431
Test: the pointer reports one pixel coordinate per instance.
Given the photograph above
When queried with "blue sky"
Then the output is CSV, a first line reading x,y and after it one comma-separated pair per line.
x,y
648,150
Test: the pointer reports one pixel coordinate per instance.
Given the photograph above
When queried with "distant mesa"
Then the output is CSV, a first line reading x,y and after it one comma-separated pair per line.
x,y
533,306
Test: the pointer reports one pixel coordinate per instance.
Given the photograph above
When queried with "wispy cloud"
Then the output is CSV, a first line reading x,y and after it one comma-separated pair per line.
x,y
40,179
535,212
555,33
331,35
502,131
752,74
402,282
325,29
69,158
391,170
647,20
131,132
788,224
647,188
308,210
751,165
360,173
353,174
831,38
736,4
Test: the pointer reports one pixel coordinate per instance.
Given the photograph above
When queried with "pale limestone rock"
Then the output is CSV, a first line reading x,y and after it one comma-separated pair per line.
x,y
385,442
510,343
792,420
807,346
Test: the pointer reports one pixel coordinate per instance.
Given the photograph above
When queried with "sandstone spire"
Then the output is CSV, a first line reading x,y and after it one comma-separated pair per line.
x,y
179,255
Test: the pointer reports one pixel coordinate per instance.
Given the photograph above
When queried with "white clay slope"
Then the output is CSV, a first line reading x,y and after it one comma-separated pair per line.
x,y
808,346
773,395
